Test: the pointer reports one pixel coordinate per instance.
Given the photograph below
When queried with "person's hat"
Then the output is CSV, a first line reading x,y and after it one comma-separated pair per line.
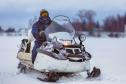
x,y
44,13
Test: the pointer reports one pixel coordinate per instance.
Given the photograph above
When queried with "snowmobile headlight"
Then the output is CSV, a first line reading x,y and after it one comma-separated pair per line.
x,y
66,42
82,37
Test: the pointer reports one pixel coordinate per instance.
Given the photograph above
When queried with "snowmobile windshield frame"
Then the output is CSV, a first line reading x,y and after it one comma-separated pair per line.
x,y
60,24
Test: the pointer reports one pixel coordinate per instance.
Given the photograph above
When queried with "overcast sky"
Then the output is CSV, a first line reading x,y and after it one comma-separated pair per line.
x,y
16,13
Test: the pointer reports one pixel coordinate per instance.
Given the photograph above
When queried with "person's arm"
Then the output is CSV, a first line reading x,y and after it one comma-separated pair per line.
x,y
35,32
38,35
48,21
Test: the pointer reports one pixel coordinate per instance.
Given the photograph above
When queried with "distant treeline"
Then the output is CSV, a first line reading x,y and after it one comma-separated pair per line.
x,y
86,22
9,30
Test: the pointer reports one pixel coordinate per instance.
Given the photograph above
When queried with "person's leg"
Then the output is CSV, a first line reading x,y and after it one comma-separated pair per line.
x,y
34,52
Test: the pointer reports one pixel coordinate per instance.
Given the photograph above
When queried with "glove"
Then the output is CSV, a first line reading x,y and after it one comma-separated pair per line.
x,y
42,35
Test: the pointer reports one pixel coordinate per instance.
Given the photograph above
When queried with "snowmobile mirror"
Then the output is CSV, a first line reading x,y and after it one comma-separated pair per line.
x,y
82,37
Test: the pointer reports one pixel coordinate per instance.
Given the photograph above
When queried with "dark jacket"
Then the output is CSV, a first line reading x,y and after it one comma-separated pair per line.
x,y
39,26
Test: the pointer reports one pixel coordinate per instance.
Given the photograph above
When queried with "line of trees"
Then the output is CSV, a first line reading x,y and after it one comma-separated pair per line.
x,y
87,23
9,30
115,24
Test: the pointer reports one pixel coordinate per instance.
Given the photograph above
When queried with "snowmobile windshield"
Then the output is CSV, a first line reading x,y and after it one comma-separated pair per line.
x,y
61,28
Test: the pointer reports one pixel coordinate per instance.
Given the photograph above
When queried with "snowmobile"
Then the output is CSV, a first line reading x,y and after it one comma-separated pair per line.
x,y
62,54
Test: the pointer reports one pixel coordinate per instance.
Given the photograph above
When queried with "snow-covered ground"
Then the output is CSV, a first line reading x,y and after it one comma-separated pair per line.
x,y
109,54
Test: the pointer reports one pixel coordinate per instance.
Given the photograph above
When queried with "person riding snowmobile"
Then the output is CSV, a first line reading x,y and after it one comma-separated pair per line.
x,y
38,31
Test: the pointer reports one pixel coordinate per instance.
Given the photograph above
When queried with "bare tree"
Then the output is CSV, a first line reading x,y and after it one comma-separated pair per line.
x,y
88,17
81,15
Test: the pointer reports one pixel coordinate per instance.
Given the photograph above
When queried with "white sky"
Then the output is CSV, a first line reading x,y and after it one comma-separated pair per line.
x,y
13,12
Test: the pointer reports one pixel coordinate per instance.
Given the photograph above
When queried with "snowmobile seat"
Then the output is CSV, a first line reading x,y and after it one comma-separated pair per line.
x,y
24,56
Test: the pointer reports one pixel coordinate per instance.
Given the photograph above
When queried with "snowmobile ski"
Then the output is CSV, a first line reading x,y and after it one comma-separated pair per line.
x,y
96,72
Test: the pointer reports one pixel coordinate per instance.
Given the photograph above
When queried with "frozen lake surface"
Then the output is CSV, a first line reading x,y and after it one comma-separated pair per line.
x,y
109,54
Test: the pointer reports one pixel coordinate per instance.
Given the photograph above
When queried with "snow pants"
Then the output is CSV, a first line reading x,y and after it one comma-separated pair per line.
x,y
34,51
